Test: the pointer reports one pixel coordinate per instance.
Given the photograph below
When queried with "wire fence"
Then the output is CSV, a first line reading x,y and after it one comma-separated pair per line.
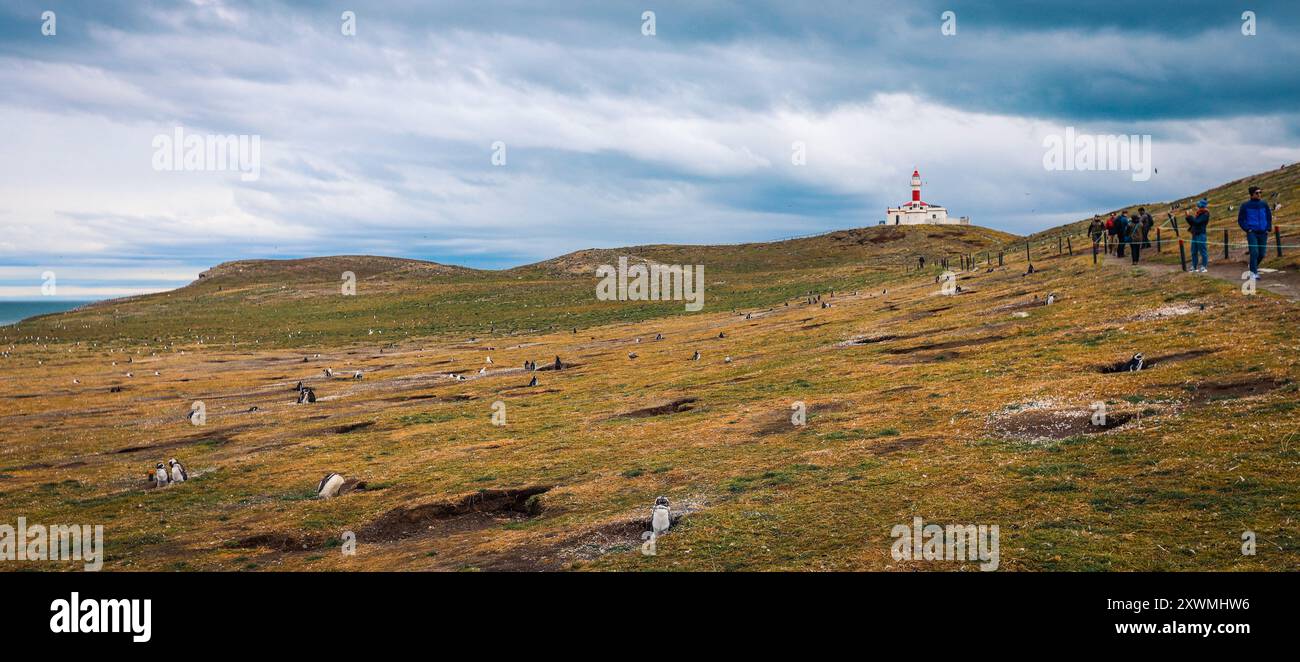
x,y
1167,236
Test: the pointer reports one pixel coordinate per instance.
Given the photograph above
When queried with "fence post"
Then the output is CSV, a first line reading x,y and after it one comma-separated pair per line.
x,y
1069,245
999,258
1225,243
1058,246
1182,253
1277,239
1157,240
1027,258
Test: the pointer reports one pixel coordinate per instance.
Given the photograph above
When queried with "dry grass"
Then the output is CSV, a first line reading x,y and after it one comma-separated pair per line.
x,y
898,427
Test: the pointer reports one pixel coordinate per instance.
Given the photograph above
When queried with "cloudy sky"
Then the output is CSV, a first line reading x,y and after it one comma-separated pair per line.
x,y
382,142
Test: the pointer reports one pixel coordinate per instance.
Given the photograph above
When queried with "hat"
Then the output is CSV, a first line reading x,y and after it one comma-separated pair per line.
x,y
1203,203
1255,189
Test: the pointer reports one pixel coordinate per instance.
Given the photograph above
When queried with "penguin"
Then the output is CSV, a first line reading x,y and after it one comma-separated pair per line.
x,y
329,486
356,375
76,381
304,359
660,517
488,360
179,475
307,394
483,370
1051,298
722,334
160,474
129,375
659,336
252,409
631,355
1135,363
533,381
697,356
827,305
329,372
298,387
558,364
727,360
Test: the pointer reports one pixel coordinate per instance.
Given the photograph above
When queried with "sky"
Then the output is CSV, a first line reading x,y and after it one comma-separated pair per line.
x,y
494,134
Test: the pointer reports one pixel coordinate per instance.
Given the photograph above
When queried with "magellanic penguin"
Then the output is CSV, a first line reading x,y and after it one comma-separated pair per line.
x,y
559,365
697,356
179,475
483,370
1051,298
533,381
329,485
1135,363
356,375
329,372
160,474
631,355
307,394
660,518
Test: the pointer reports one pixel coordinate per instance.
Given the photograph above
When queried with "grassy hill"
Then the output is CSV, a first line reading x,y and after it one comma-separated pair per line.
x,y
286,303
968,408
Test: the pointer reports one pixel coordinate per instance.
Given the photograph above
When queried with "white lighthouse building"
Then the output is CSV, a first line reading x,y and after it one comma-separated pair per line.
x,y
920,212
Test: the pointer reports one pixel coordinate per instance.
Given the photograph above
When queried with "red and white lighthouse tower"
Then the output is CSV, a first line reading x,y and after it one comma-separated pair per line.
x,y
919,212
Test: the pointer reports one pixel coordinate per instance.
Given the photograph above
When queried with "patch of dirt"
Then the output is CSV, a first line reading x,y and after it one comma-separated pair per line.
x,y
895,445
1202,393
950,344
1164,312
915,359
676,406
220,438
279,541
475,510
350,427
1045,422
1153,361
777,422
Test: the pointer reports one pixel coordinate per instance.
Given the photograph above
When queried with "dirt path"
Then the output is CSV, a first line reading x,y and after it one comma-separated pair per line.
x,y
1283,283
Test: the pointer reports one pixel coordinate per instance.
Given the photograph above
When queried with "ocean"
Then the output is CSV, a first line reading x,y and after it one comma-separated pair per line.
x,y
16,311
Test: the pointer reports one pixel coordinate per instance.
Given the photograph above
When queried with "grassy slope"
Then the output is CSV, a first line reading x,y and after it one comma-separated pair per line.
x,y
295,302
920,423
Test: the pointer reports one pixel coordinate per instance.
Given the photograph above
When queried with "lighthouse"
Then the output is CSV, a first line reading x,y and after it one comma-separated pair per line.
x,y
918,211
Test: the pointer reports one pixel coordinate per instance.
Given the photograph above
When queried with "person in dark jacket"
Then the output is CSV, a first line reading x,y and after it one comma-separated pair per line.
x,y
1256,219
1121,233
1135,237
1147,223
1199,226
1096,228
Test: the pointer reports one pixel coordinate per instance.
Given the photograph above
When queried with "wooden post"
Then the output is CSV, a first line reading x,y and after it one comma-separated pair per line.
x,y
1225,243
1182,253
1277,239
1027,258
1069,246
999,258
1058,246
1157,240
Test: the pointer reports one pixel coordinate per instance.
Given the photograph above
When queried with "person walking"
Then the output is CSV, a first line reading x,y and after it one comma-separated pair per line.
x,y
1147,224
1096,228
1135,237
1121,233
1256,219
1199,226
1110,234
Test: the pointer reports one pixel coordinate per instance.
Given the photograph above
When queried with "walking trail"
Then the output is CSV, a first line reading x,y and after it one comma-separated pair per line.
x,y
1283,283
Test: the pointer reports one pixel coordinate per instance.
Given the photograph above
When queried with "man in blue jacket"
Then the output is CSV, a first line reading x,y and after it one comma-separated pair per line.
x,y
1199,225
1256,219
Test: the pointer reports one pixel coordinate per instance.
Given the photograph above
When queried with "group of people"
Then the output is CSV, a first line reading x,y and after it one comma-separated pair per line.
x,y
1133,233
1125,233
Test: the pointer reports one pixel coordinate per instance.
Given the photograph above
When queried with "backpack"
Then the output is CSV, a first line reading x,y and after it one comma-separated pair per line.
x,y
1110,223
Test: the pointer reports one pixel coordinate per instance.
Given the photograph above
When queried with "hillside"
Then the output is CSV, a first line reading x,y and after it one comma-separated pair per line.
x,y
288,302
971,408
